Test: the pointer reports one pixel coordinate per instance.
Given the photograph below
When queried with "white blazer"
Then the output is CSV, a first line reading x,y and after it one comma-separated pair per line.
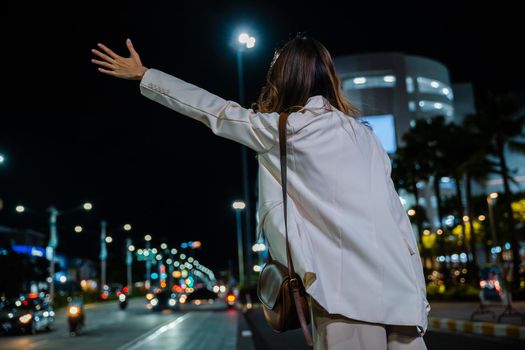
x,y
347,226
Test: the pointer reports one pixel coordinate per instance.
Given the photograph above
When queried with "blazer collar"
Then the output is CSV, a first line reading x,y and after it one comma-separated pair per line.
x,y
317,102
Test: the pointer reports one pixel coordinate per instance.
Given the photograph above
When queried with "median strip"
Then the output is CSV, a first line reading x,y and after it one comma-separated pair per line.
x,y
483,328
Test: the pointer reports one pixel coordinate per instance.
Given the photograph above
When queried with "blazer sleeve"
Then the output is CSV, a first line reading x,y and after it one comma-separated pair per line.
x,y
227,119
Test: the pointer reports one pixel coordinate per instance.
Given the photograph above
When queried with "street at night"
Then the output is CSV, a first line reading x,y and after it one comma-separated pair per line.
x,y
206,327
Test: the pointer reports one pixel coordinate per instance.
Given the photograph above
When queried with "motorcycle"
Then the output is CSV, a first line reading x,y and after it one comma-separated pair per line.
x,y
123,301
75,318
231,300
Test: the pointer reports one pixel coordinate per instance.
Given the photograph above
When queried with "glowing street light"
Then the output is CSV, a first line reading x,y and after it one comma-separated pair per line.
x,y
78,229
147,238
2,159
127,227
20,208
243,38
88,206
239,205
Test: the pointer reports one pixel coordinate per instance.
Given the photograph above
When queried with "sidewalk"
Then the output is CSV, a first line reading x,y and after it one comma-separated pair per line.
x,y
444,317
455,317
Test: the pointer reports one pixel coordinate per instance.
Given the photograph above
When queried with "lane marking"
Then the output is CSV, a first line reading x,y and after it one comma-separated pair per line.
x,y
154,333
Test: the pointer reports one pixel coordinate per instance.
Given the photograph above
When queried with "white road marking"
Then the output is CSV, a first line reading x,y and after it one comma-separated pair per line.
x,y
152,334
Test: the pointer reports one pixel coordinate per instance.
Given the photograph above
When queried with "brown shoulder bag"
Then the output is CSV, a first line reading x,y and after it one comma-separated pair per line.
x,y
280,288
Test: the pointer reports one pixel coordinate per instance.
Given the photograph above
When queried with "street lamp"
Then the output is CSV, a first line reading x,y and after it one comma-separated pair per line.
x,y
238,206
129,258
2,159
490,201
103,255
53,239
246,42
147,284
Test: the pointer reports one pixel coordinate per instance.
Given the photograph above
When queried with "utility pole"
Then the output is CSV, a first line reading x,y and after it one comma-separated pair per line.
x,y
103,255
148,265
129,261
51,248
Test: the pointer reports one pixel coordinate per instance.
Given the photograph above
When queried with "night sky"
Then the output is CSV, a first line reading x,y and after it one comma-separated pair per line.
x,y
71,134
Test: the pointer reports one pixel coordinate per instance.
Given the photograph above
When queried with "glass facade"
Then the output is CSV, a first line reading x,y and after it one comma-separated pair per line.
x,y
436,108
369,81
432,86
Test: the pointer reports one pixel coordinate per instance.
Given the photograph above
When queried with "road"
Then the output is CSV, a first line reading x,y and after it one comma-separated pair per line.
x,y
107,327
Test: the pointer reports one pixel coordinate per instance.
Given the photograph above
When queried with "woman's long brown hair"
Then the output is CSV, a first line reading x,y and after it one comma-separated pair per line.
x,y
302,68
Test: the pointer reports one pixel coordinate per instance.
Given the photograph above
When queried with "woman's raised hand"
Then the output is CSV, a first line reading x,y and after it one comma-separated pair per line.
x,y
110,63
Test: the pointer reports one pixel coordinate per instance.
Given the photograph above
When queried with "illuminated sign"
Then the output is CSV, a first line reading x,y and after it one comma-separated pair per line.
x,y
29,250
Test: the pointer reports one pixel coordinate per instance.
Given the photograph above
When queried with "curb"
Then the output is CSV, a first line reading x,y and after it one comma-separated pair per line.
x,y
484,328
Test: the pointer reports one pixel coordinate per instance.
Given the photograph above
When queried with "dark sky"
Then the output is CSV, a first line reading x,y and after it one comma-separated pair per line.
x,y
71,134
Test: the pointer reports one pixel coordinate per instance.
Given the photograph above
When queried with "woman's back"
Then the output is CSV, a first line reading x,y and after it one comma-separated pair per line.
x,y
346,223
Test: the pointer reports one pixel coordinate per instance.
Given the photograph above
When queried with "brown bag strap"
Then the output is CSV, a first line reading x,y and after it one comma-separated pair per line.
x,y
283,118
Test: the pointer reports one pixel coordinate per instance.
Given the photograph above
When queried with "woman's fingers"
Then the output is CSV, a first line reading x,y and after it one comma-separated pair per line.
x,y
103,64
131,49
108,51
103,56
108,72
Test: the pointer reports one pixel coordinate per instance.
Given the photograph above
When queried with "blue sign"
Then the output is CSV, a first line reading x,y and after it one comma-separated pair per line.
x,y
29,250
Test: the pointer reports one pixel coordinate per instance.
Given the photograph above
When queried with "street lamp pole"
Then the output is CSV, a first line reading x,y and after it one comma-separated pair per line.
x,y
103,255
490,202
147,284
238,206
248,42
51,247
129,261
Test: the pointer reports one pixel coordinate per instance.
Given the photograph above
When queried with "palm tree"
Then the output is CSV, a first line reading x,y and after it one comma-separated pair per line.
x,y
499,123
406,174
422,144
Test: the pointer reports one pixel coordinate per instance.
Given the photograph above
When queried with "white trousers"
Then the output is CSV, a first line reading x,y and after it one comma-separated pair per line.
x,y
337,332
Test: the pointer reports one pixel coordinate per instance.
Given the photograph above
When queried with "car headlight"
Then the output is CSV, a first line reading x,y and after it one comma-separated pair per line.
x,y
122,297
25,318
172,302
73,310
154,301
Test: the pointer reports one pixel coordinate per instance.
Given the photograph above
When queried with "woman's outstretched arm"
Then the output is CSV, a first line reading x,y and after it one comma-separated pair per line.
x,y
225,118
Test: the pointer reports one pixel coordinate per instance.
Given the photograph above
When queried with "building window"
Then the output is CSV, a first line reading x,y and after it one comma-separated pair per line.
x,y
410,85
369,82
432,86
436,108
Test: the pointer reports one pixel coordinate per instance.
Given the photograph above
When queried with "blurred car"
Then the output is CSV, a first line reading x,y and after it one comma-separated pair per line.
x,y
201,296
159,299
26,314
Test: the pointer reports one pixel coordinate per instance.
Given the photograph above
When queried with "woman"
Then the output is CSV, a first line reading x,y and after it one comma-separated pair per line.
x,y
352,242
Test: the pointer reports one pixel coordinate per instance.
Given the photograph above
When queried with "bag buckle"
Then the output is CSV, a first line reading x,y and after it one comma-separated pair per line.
x,y
294,283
